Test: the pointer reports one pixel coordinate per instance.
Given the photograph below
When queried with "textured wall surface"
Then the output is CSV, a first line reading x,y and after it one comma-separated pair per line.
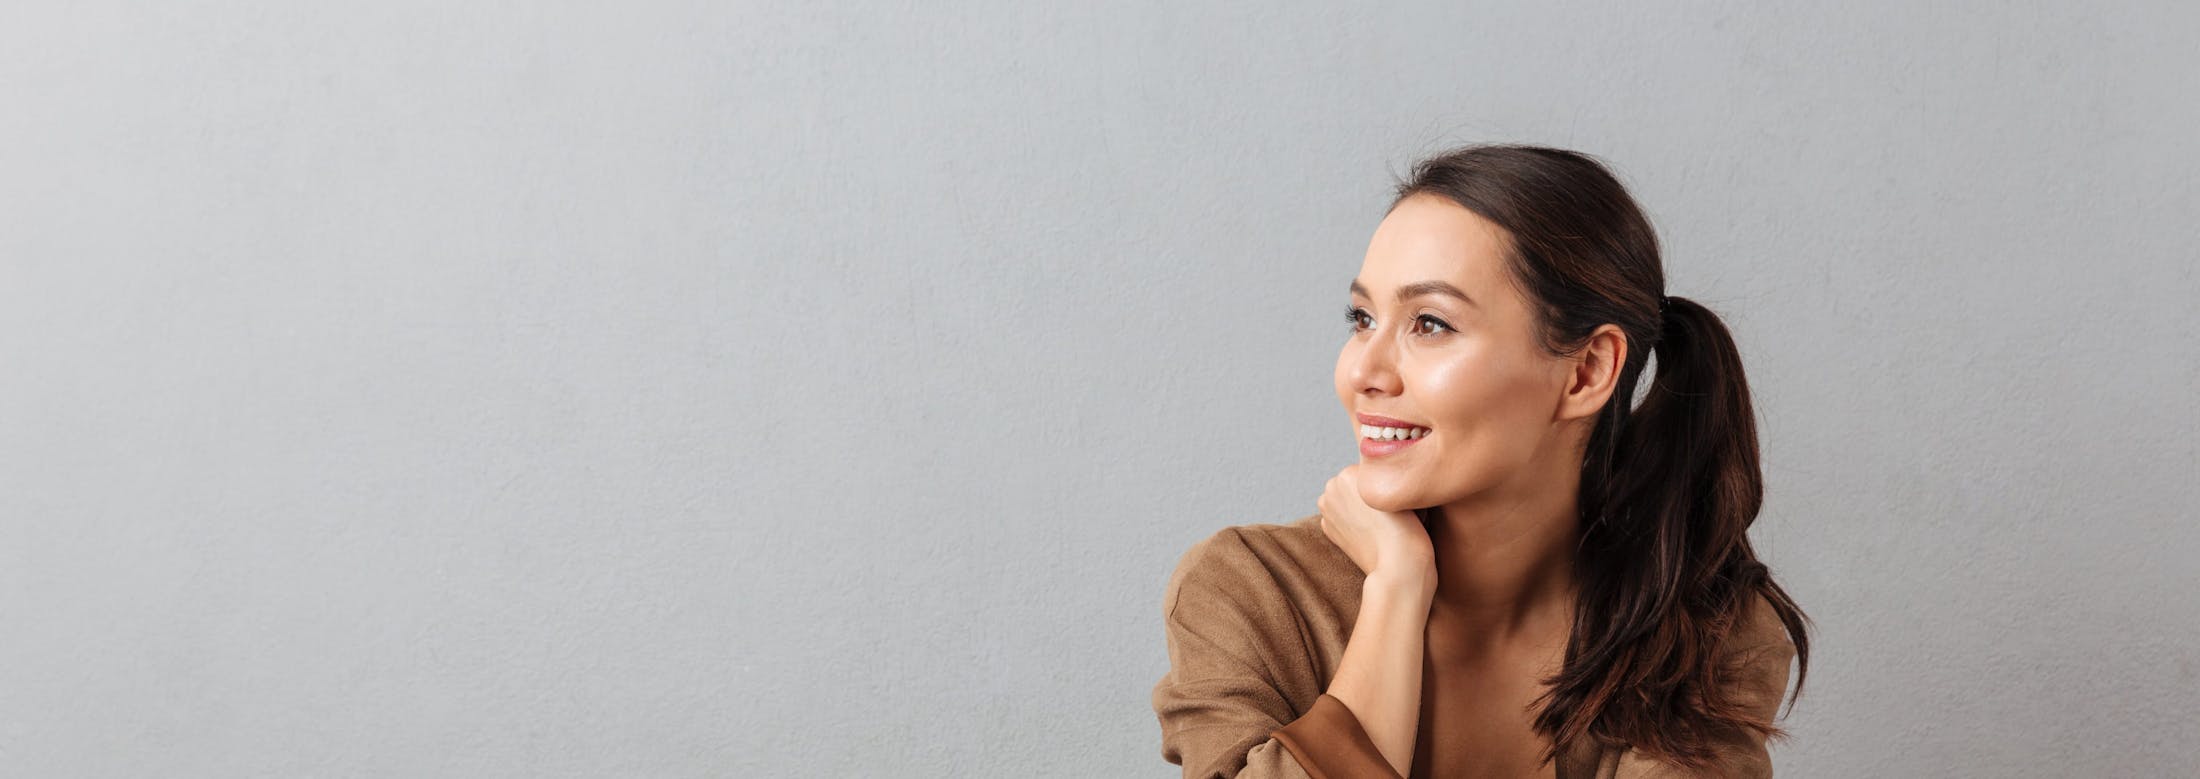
x,y
517,389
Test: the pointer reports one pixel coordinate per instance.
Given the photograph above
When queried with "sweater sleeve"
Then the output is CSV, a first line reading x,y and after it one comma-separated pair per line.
x,y
1329,742
1225,705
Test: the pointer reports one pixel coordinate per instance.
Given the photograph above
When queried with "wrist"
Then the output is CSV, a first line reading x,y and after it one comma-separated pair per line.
x,y
1415,579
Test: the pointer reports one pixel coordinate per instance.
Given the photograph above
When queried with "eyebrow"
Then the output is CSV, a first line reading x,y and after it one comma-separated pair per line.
x,y
1419,288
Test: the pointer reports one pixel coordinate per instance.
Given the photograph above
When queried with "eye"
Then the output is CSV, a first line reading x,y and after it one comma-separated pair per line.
x,y
1353,315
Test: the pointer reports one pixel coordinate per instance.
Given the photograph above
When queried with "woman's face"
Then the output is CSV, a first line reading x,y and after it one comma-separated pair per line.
x,y
1470,373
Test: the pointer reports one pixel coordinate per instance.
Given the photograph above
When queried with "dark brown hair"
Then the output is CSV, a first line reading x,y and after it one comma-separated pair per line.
x,y
1668,491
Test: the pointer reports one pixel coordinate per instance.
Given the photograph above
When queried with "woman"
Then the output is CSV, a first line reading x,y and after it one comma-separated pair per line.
x,y
1523,576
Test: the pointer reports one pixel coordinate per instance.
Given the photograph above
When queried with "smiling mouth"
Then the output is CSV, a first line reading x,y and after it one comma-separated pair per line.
x,y
1375,433
1382,442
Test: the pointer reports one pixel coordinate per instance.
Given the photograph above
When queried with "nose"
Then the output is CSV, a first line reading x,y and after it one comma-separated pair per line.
x,y
1373,371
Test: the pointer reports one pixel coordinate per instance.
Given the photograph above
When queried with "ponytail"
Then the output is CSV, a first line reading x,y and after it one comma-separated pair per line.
x,y
1668,493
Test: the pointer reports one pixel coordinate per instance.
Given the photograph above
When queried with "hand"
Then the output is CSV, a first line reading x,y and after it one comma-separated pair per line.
x,y
1386,541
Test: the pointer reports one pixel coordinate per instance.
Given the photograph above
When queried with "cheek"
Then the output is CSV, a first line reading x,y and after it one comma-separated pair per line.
x,y
1455,395
1478,400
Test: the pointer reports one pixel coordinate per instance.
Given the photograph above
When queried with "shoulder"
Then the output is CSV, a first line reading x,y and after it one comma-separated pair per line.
x,y
1258,565
1754,676
1758,656
1760,629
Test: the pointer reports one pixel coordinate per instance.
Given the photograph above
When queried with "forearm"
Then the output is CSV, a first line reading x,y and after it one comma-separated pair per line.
x,y
1379,678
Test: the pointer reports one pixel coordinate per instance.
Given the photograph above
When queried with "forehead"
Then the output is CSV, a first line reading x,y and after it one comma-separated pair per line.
x,y
1431,238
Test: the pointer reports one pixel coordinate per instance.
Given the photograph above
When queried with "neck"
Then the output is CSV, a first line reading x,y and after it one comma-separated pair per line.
x,y
1505,564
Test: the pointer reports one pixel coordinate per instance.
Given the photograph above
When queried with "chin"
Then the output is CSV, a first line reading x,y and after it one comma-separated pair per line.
x,y
1383,500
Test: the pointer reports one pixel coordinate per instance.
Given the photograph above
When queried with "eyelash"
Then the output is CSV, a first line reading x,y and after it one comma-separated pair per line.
x,y
1352,315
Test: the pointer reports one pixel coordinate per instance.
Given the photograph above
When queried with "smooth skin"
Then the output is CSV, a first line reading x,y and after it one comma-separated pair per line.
x,y
1486,584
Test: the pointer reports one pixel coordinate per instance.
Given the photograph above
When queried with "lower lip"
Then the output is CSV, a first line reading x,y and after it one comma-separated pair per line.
x,y
1371,447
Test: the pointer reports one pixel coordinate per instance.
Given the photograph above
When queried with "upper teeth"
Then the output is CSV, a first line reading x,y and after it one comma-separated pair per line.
x,y
1391,433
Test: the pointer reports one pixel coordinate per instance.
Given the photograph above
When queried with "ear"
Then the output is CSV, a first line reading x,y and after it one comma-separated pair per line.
x,y
1592,373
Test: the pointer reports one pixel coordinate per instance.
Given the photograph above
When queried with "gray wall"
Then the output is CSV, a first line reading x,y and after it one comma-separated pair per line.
x,y
509,390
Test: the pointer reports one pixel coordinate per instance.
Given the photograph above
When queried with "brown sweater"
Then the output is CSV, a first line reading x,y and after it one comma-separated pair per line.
x,y
1257,618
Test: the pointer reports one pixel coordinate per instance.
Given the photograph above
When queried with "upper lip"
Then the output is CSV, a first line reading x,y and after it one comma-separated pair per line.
x,y
1371,419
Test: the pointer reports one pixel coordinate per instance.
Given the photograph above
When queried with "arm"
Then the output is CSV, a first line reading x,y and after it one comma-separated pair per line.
x,y
1236,664
1378,682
